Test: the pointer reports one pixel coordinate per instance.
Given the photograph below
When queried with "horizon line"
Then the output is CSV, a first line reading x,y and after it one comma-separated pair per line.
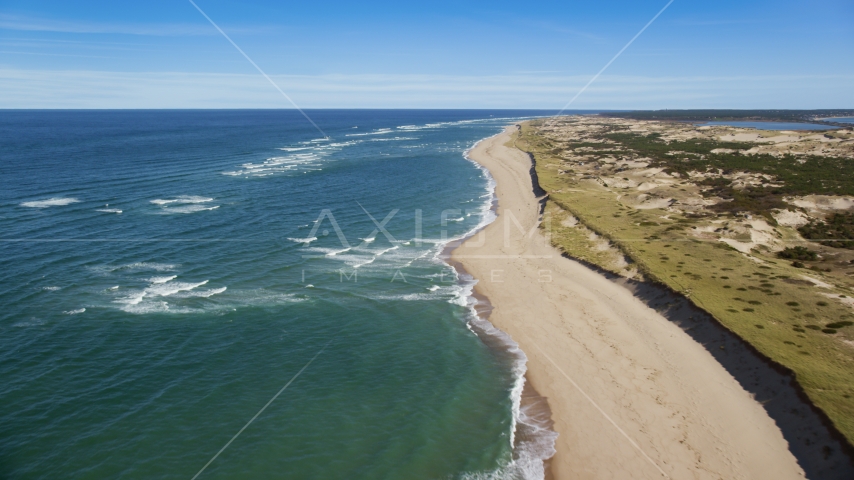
x,y
593,110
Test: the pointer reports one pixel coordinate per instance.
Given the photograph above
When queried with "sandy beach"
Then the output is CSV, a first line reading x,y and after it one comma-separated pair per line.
x,y
631,394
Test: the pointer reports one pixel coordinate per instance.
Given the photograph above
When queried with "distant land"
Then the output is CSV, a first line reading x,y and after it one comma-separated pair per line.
x,y
820,116
753,226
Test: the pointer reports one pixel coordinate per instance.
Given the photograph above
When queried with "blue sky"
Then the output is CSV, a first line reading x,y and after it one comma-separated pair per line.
x,y
440,54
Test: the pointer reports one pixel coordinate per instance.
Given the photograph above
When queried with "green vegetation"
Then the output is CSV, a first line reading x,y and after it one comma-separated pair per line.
x,y
765,301
798,253
789,174
837,231
744,115
838,325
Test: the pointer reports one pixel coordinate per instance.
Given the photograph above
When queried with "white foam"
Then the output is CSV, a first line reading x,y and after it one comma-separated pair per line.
x,y
327,252
307,158
376,256
187,209
407,297
157,267
132,299
182,199
485,212
430,241
262,297
438,125
474,121
50,202
368,240
156,280
108,210
428,126
344,144
51,289
183,204
277,165
454,294
415,259
393,139
171,288
462,293
75,312
306,241
350,258
201,293
149,299
538,446
149,307
381,131
362,264
529,455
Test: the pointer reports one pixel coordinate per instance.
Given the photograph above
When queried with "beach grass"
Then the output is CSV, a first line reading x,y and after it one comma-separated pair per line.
x,y
786,313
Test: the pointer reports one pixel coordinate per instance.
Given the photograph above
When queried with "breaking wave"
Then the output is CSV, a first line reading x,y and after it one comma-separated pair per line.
x,y
50,202
184,204
531,437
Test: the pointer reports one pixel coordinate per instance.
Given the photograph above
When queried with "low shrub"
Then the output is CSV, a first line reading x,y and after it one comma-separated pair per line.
x,y
841,324
798,253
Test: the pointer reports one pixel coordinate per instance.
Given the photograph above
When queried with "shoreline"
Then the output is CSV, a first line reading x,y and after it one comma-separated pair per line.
x,y
532,416
631,394
533,436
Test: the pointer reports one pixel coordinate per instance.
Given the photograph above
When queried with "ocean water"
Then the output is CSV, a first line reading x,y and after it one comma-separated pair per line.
x,y
166,273
773,125
841,119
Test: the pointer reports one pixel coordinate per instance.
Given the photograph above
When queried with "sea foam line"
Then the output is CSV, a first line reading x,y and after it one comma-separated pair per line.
x,y
381,131
183,204
528,461
376,256
182,199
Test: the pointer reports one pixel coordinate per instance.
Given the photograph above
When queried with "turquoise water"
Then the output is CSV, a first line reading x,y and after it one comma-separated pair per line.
x,y
773,125
166,273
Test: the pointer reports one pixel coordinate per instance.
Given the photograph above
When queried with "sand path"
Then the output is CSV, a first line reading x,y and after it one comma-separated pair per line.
x,y
632,395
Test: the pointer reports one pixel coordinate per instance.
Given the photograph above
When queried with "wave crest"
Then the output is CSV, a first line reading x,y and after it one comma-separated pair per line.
x,y
50,202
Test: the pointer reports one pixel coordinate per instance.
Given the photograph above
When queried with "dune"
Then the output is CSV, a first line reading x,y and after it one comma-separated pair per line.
x,y
632,395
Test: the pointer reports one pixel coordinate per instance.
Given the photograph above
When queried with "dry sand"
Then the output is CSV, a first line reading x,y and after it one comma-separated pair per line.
x,y
631,394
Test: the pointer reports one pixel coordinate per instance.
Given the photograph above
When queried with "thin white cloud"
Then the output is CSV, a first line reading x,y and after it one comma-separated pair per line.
x,y
93,89
32,24
13,52
694,22
65,43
